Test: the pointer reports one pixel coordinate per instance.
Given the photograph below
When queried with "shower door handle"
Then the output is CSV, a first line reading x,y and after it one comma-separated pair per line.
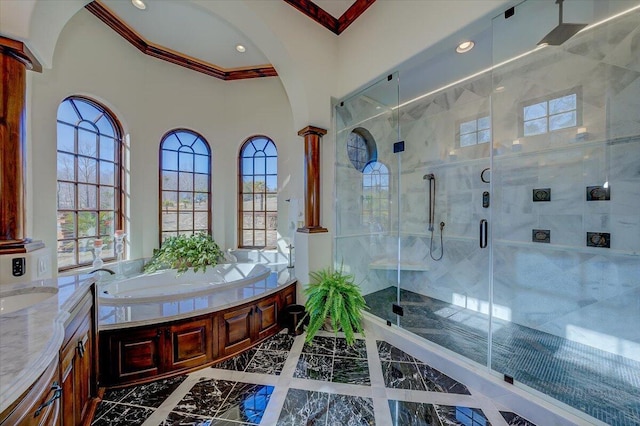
x,y
484,226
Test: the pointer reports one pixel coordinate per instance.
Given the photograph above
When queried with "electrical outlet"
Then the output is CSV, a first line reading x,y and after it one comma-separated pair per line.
x,y
18,266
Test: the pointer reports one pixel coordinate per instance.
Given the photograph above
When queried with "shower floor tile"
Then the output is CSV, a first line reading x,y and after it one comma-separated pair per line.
x,y
326,383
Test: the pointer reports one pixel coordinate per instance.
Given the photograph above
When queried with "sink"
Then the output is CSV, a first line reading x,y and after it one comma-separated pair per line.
x,y
11,302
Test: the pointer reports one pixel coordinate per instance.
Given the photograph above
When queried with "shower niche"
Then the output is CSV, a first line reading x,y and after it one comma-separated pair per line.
x,y
540,268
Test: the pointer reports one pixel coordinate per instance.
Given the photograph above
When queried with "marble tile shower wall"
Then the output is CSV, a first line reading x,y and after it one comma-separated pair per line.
x,y
586,294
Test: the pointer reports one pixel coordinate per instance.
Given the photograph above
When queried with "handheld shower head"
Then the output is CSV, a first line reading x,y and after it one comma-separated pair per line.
x,y
429,176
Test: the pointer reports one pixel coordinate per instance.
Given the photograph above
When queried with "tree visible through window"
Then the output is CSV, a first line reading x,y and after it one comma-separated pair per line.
x,y
375,196
550,114
185,184
258,193
88,181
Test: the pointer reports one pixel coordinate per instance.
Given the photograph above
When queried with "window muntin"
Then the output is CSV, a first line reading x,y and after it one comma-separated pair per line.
x,y
361,148
258,193
551,114
89,195
474,131
375,196
185,184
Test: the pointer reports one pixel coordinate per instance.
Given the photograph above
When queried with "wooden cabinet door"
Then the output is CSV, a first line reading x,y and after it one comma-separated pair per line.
x,y
288,296
189,344
84,371
265,317
235,332
132,354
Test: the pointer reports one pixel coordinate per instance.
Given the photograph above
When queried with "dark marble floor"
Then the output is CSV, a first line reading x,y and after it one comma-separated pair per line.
x,y
285,381
601,384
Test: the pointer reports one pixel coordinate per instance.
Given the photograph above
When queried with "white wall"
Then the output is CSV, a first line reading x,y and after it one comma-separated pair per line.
x,y
150,97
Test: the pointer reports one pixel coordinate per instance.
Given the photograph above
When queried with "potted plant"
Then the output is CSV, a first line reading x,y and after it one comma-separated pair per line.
x,y
185,251
333,297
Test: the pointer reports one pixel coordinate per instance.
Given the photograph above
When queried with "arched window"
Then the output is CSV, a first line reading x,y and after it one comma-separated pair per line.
x,y
258,193
185,184
89,181
375,196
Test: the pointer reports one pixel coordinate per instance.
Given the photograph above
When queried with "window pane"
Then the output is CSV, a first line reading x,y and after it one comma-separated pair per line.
x,y
87,143
259,165
259,202
535,127
186,182
85,250
468,139
247,238
87,224
199,147
107,198
201,164
186,201
185,163
272,202
107,173
169,200
66,113
272,238
87,170
166,235
484,136
201,220
66,225
247,166
201,183
272,183
535,111
260,239
171,142
66,138
66,253
107,148
565,103
259,221
562,121
272,165
105,127
87,197
87,111
107,223
66,196
484,123
169,221
270,149
108,249
66,169
201,201
468,127
247,220
169,160
169,180
272,221
186,221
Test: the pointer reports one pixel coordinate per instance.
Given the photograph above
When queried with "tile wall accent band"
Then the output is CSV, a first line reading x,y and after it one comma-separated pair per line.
x,y
598,193
541,236
542,194
599,239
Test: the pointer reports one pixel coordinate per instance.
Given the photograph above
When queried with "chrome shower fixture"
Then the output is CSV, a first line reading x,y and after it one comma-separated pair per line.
x,y
562,32
432,210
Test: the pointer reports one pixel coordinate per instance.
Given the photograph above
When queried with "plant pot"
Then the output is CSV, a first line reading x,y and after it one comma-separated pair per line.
x,y
327,326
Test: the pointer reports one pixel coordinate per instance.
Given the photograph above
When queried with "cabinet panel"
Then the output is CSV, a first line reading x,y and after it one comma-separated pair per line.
x,y
190,344
130,355
289,296
266,317
235,330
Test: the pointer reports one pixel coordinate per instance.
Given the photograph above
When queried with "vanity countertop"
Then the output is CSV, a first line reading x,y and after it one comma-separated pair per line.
x,y
30,338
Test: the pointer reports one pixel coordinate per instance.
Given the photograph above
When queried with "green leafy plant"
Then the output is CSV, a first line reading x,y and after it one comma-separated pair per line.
x,y
333,295
185,251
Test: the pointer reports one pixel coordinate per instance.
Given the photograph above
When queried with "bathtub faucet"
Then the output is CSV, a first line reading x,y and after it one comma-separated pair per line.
x,y
103,269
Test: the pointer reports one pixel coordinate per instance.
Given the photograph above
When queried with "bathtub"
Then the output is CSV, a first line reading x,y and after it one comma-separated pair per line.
x,y
168,285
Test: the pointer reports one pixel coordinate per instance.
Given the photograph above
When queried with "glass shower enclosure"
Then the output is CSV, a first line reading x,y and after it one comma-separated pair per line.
x,y
490,202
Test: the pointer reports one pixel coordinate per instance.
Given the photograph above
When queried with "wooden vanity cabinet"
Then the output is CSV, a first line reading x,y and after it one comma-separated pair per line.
x,y
77,363
40,405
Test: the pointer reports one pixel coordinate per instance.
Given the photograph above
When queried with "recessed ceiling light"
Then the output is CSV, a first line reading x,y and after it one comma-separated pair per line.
x,y
139,4
465,46
240,48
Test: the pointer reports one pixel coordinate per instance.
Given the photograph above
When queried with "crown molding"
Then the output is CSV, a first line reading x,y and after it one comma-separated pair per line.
x,y
322,17
148,48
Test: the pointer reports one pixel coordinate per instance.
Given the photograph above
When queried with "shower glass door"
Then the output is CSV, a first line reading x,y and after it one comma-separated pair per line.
x,y
566,200
367,176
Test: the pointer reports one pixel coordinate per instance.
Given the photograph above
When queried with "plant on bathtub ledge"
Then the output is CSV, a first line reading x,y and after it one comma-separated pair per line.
x,y
184,252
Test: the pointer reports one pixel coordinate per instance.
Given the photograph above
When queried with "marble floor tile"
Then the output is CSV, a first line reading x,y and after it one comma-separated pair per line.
x,y
320,345
314,367
246,403
357,350
153,394
388,352
205,397
402,375
178,419
350,411
238,362
412,414
351,370
460,415
267,362
303,407
280,342
513,419
115,395
436,381
122,414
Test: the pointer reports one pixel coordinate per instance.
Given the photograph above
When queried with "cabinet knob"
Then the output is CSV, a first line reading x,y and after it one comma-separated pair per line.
x,y
81,348
57,393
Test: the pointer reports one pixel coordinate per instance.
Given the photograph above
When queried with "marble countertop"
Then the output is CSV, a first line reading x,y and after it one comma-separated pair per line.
x,y
121,315
30,338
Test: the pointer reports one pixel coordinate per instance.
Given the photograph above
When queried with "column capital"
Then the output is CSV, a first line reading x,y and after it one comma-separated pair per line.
x,y
21,52
310,130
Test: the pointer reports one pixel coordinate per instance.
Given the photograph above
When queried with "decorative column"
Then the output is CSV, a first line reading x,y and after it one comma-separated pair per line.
x,y
15,59
312,137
